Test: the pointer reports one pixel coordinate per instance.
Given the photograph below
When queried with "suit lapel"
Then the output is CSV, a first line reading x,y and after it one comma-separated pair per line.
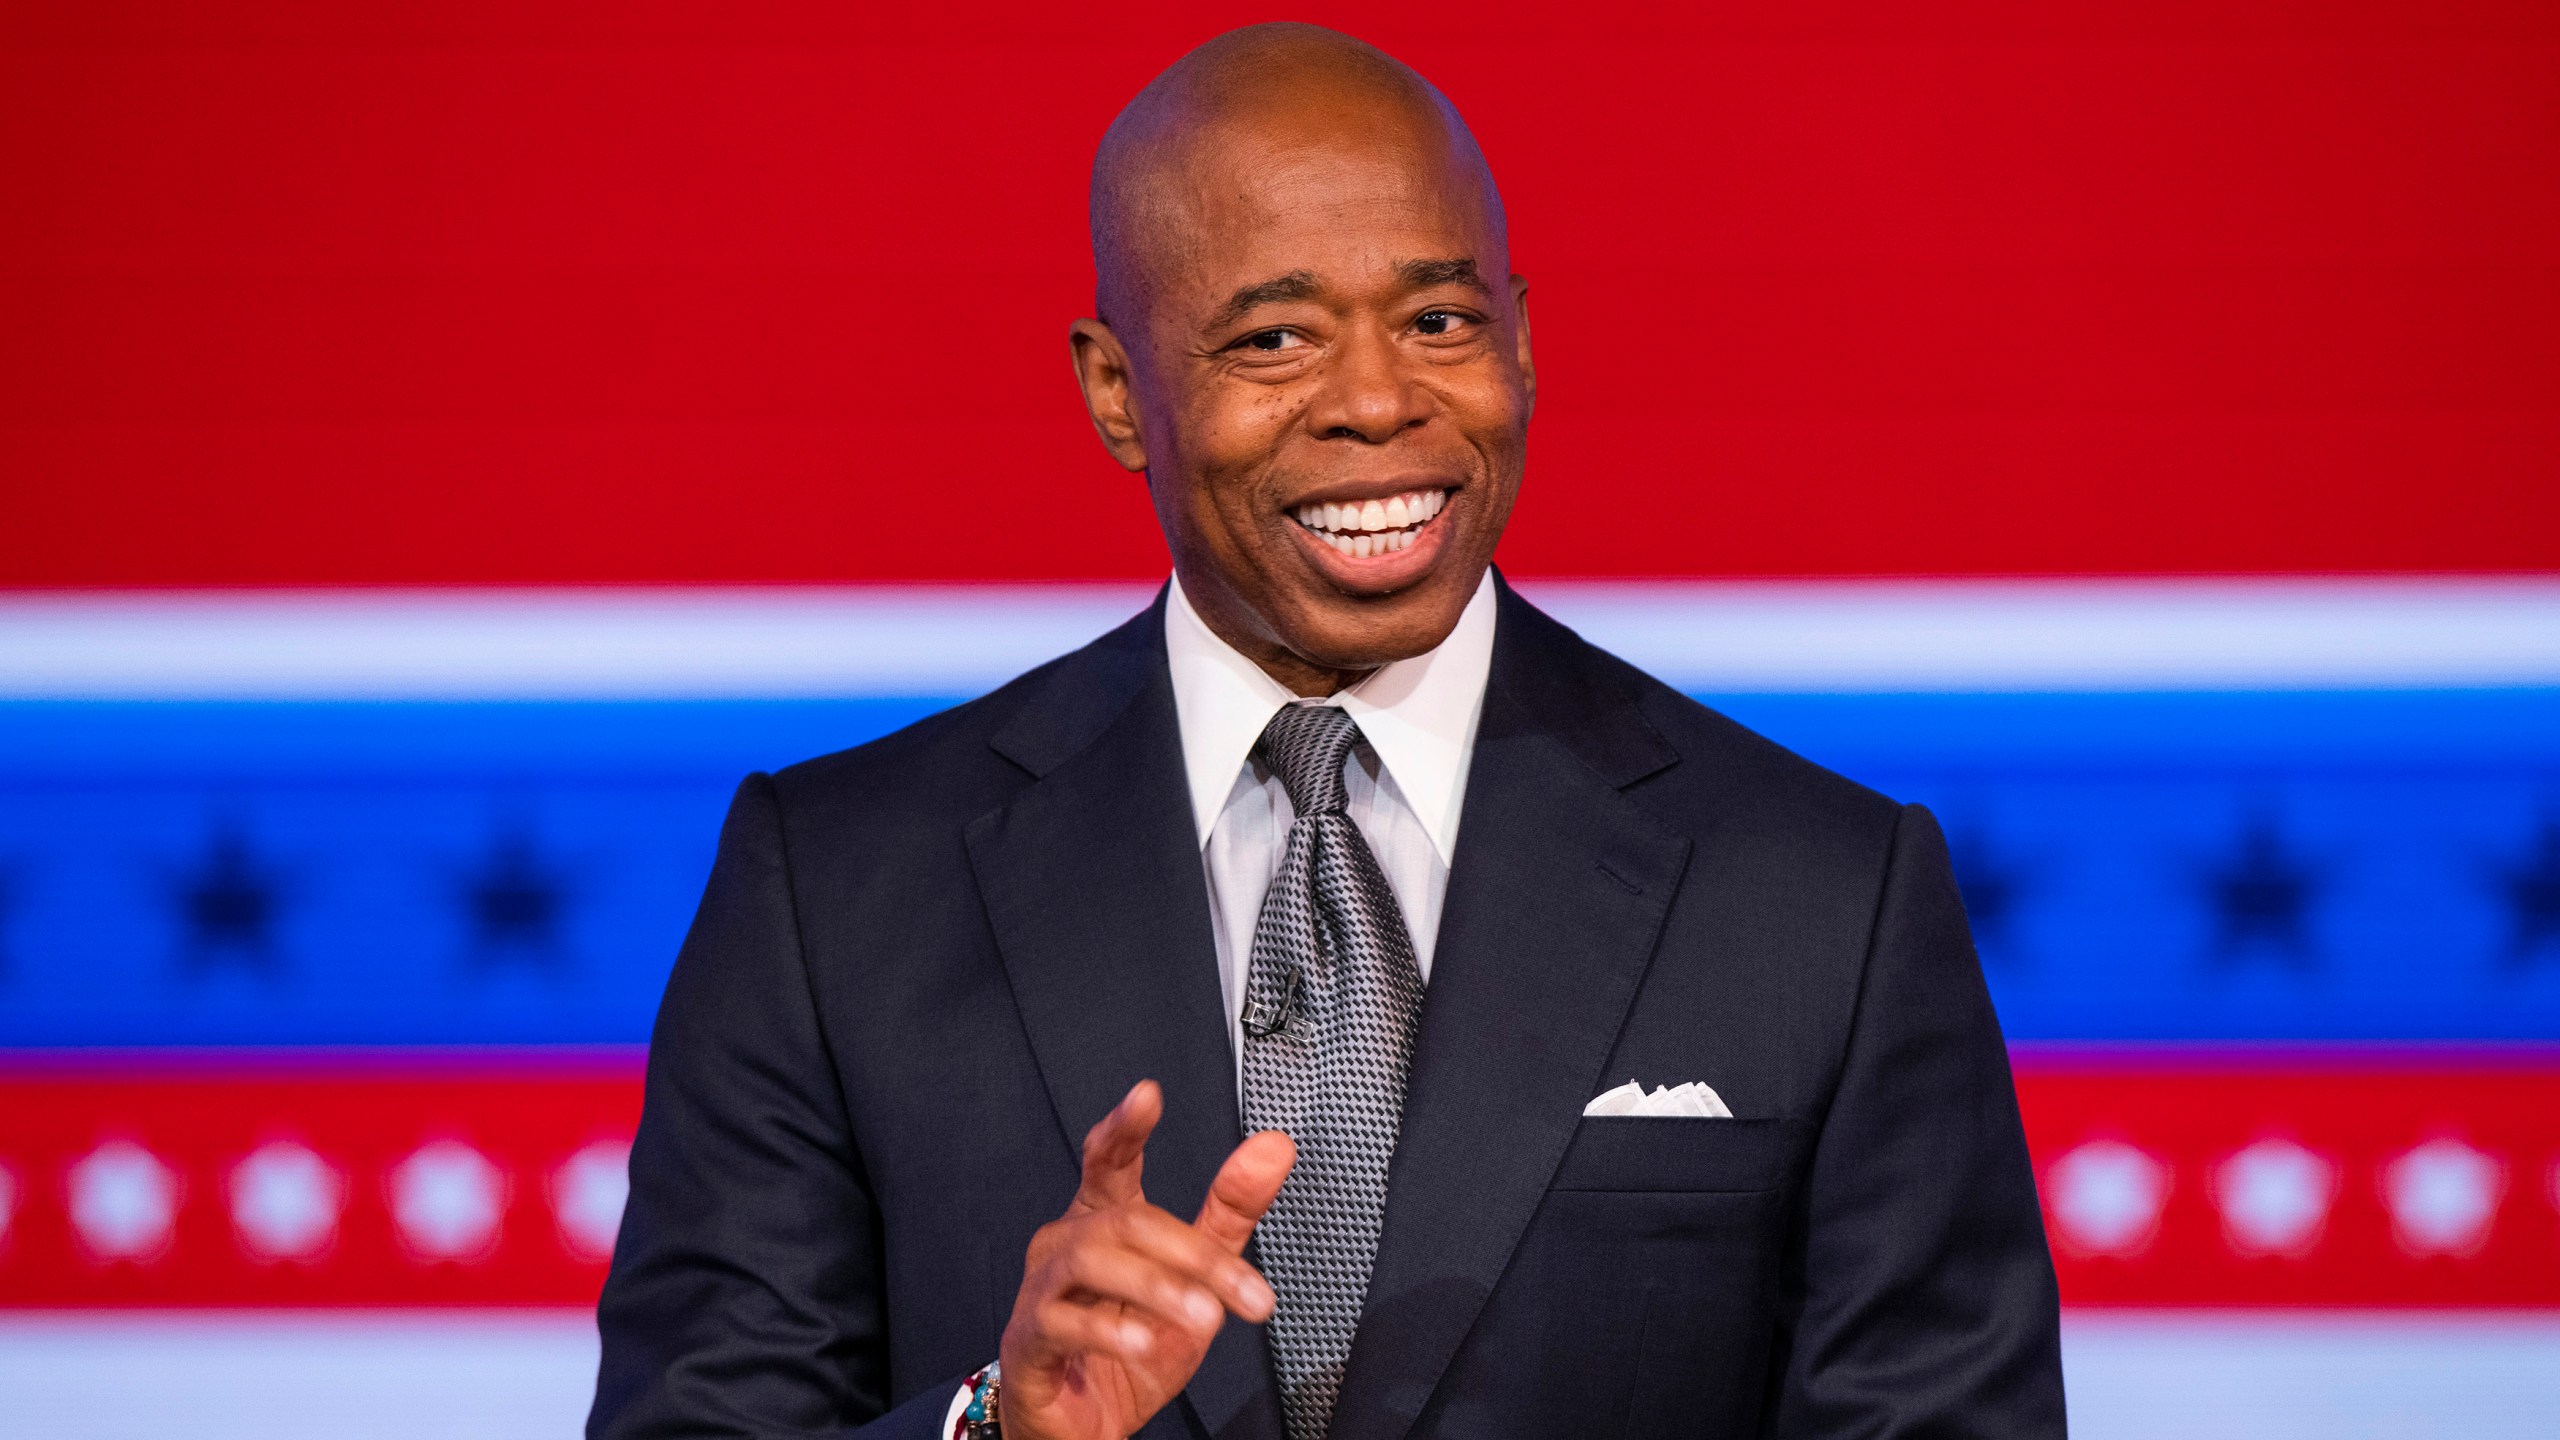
x,y
1555,901
1093,887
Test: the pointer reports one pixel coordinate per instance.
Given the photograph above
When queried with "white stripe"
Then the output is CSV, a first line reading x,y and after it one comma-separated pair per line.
x,y
959,640
545,645
492,1375
2077,635
2234,1375
296,1375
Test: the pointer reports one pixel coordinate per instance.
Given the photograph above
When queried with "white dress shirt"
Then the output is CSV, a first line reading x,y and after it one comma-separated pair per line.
x,y
1405,783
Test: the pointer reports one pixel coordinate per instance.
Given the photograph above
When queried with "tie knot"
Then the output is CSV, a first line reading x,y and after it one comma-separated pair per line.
x,y
1305,746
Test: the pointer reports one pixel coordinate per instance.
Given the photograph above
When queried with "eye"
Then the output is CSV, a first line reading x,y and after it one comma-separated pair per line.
x,y
1272,340
1440,322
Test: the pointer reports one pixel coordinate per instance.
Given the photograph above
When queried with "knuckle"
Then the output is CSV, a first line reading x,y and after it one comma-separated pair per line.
x,y
1045,1242
1183,1245
1079,1264
1056,1329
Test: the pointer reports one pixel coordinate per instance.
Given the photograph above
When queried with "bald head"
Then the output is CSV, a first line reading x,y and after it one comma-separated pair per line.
x,y
1311,344
1250,100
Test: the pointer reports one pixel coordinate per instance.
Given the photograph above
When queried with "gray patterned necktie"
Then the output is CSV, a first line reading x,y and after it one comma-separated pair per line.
x,y
1330,1006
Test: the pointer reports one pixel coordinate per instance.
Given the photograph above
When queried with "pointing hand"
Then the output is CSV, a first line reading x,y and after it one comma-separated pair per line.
x,y
1120,1299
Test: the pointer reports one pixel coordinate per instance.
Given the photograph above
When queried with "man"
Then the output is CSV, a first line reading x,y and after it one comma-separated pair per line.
x,y
1318,901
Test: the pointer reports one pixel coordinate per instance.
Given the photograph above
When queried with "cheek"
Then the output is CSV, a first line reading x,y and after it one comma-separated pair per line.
x,y
1230,440
1492,410
1241,424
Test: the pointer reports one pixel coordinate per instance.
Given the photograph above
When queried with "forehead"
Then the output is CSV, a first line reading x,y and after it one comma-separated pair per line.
x,y
1344,200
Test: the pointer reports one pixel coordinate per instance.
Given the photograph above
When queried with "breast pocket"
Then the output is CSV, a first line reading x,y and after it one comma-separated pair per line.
x,y
1633,1153
1652,1262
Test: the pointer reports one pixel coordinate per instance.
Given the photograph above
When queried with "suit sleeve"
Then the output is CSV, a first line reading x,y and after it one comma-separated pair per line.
x,y
745,1294
1922,1294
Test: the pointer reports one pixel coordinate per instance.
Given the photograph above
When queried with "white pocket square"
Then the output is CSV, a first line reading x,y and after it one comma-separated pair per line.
x,y
1693,1101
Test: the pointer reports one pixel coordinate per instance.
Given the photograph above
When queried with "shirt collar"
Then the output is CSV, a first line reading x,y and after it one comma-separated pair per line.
x,y
1418,714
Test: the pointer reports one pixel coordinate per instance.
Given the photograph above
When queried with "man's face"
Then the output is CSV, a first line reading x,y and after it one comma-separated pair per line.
x,y
1329,382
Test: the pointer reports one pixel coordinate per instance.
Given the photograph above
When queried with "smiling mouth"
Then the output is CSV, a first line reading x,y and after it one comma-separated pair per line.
x,y
1361,529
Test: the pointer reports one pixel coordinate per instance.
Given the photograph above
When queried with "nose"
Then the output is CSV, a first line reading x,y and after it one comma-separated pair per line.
x,y
1369,390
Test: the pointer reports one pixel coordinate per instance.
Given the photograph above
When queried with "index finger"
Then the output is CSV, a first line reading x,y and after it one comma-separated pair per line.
x,y
1115,1149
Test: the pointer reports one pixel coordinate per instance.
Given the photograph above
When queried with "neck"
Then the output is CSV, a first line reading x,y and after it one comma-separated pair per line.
x,y
1232,621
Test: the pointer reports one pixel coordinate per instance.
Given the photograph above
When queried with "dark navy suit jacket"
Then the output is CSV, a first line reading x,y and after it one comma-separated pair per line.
x,y
924,967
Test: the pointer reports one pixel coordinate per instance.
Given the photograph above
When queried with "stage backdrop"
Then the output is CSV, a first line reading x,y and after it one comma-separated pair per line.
x,y
442,450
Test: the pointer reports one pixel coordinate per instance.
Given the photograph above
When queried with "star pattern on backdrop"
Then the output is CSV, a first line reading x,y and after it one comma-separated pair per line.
x,y
588,1192
1994,884
2274,1197
2531,889
2261,897
285,1202
124,1201
2443,1197
2106,1197
514,903
228,906
447,1200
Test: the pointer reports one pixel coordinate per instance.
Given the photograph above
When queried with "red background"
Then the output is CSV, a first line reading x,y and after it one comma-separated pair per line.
x,y
492,292
527,1116
2359,1113
524,1117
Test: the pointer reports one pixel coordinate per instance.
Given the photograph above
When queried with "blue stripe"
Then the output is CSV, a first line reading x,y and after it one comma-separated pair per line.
x,y
2274,867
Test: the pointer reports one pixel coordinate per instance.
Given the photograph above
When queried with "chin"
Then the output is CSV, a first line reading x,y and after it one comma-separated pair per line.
x,y
1342,632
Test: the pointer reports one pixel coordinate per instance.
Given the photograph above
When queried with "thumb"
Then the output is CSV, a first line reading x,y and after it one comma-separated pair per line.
x,y
1245,1187
1115,1149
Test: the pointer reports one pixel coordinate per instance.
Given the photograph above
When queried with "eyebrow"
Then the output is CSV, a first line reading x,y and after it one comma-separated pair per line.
x,y
1296,285
1423,274
1303,285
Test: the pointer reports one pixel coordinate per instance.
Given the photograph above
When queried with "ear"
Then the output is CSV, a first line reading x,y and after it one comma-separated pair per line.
x,y
1520,337
1110,396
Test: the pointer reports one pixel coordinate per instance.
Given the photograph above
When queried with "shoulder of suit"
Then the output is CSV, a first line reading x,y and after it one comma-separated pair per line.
x,y
955,756
1750,760
1721,763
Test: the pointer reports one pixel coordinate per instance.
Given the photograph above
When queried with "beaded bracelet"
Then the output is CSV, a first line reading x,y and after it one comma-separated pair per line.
x,y
979,1419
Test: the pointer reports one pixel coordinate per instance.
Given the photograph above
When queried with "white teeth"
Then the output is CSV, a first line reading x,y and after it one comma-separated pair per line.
x,y
1363,528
